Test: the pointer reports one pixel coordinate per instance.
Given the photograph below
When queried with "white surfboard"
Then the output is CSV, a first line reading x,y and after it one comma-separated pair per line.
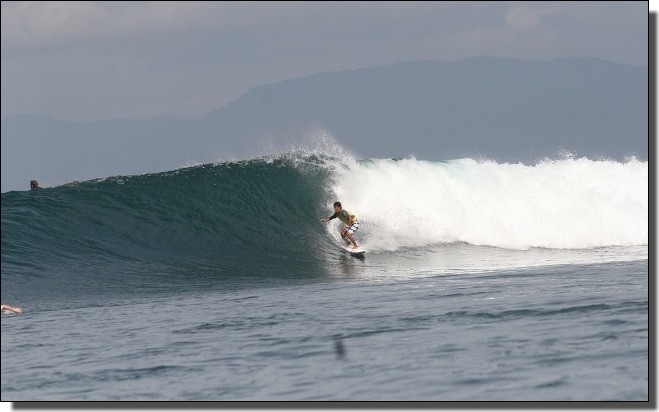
x,y
359,251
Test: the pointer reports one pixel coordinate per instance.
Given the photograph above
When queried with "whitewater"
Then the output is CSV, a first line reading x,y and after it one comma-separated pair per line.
x,y
482,281
561,204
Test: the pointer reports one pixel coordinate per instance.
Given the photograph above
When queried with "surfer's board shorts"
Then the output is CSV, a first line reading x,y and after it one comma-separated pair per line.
x,y
352,229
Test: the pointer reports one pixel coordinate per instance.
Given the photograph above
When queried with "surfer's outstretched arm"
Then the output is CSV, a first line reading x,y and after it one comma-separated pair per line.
x,y
328,218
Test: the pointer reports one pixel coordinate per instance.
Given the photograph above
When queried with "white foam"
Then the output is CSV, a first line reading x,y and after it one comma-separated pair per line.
x,y
562,204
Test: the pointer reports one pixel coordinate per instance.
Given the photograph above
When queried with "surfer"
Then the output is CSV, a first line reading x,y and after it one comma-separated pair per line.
x,y
10,308
347,218
34,184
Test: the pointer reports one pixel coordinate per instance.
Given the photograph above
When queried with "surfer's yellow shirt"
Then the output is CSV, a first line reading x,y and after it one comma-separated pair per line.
x,y
346,217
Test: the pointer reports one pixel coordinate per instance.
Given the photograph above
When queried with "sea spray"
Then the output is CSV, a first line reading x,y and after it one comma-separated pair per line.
x,y
563,204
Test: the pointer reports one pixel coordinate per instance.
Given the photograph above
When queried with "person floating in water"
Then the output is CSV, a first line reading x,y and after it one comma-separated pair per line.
x,y
347,218
9,308
34,184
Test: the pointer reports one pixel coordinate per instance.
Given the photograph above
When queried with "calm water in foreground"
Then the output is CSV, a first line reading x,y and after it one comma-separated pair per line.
x,y
561,332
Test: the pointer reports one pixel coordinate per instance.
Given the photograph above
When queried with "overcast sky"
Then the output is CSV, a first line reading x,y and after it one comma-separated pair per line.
x,y
88,61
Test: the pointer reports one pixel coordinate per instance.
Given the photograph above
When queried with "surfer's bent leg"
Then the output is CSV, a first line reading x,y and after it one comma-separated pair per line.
x,y
344,235
352,239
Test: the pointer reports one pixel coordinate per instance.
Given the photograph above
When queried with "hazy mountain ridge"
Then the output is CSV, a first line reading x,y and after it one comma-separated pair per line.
x,y
503,108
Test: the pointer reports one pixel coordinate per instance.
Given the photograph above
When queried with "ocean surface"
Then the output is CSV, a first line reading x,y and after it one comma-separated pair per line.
x,y
482,281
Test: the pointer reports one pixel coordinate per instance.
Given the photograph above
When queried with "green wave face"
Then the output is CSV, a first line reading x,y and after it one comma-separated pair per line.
x,y
205,226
